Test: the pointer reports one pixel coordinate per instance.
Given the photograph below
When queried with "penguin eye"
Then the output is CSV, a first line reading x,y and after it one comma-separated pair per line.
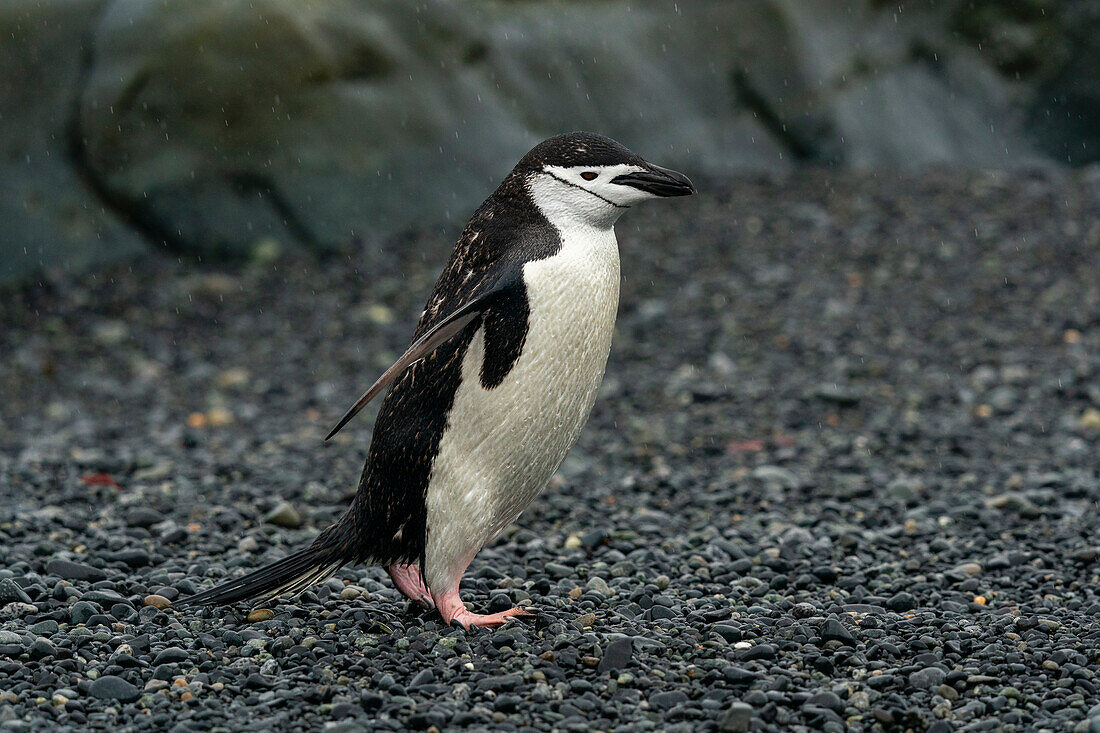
x,y
589,175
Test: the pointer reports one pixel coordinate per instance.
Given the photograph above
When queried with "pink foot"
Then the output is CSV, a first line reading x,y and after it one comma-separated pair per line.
x,y
408,580
452,609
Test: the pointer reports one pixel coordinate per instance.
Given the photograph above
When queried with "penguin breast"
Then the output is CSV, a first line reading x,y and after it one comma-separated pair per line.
x,y
502,444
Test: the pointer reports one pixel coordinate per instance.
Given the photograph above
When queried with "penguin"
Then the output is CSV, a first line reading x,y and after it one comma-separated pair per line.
x,y
501,374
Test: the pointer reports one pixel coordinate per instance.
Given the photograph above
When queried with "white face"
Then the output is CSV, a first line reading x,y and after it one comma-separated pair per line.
x,y
585,194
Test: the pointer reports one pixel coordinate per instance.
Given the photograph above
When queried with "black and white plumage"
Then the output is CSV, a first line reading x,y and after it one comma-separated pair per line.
x,y
500,377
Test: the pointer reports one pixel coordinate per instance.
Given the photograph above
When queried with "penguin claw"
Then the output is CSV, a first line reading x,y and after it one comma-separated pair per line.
x,y
452,609
468,619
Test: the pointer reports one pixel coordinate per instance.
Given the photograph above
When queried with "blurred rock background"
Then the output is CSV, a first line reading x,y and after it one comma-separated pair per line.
x,y
225,128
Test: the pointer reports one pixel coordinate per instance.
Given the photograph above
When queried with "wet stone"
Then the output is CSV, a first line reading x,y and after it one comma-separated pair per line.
x,y
616,655
667,700
738,718
82,611
927,678
74,571
110,687
833,630
12,593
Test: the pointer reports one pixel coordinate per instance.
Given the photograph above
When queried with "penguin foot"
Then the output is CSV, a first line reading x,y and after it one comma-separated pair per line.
x,y
452,608
408,580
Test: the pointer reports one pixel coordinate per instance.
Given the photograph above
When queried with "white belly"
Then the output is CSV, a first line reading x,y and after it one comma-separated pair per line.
x,y
502,445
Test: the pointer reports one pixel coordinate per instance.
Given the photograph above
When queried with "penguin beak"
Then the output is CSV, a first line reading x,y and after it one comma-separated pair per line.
x,y
657,181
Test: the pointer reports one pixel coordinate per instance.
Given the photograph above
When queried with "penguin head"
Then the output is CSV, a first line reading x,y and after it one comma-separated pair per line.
x,y
589,178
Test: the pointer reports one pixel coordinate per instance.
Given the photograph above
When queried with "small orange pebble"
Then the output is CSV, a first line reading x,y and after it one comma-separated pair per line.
x,y
1071,336
180,682
194,527
980,600
576,593
983,411
186,696
832,419
196,420
855,280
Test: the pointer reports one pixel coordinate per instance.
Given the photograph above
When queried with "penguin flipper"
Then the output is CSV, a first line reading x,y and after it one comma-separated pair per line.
x,y
450,326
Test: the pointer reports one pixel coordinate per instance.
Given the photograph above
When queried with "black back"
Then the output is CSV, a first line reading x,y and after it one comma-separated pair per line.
x,y
387,521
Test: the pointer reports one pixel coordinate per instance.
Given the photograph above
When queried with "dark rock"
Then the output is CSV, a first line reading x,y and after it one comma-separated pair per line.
x,y
667,700
258,682
42,649
657,613
758,651
737,719
110,687
729,633
12,593
48,627
171,655
927,678
616,655
901,602
12,651
833,630
594,538
739,675
81,611
498,683
143,517
557,571
133,557
826,699
74,571
423,677
103,596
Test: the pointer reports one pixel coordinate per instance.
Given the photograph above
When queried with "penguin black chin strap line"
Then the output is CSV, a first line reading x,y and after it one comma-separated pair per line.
x,y
570,183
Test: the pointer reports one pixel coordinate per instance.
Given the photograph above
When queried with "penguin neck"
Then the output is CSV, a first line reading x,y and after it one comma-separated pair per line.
x,y
569,208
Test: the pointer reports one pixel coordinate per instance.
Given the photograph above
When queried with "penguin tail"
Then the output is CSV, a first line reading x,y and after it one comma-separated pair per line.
x,y
287,577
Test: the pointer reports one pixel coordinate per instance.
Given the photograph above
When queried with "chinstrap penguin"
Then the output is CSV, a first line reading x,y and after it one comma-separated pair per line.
x,y
501,374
